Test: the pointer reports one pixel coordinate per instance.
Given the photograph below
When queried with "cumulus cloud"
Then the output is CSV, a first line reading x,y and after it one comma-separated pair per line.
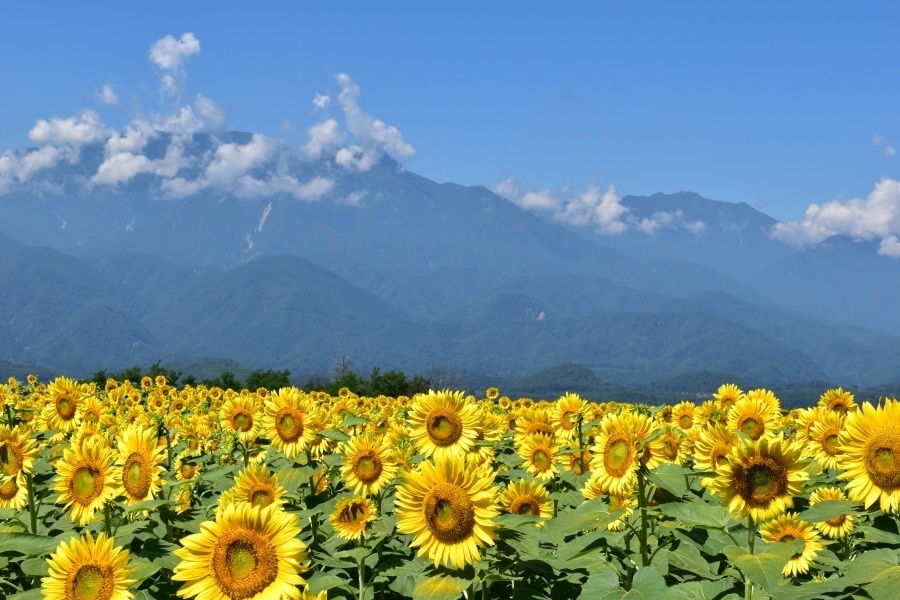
x,y
213,116
83,128
889,151
323,137
106,95
18,167
123,166
373,133
356,158
170,56
876,216
321,101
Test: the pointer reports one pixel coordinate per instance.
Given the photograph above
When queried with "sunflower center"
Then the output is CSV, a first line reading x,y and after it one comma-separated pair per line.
x,y
244,563
839,408
11,459
187,470
541,459
65,407
567,420
525,505
685,421
444,427
619,455
289,424
671,446
830,444
540,427
449,513
91,582
753,426
136,475
837,521
352,514
87,483
762,481
367,466
9,490
882,455
719,455
262,497
242,421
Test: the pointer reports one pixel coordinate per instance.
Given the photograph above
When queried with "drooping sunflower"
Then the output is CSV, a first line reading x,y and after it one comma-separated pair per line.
x,y
526,497
367,468
351,516
13,492
567,411
84,567
579,461
803,427
247,552
787,528
241,414
761,478
673,444
684,415
185,467
448,510
839,526
711,450
755,415
62,412
443,424
824,439
287,421
644,427
614,466
140,461
86,477
539,455
727,396
837,400
628,501
17,452
871,455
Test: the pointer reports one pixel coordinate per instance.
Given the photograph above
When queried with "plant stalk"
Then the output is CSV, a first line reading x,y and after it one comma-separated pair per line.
x,y
751,539
642,501
29,481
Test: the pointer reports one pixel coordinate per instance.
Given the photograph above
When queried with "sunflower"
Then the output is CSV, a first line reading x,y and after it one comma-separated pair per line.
x,y
240,414
727,396
254,485
838,401
492,393
286,421
185,467
534,420
86,477
13,492
247,552
526,497
577,461
443,424
871,455
567,412
539,454
824,438
761,478
448,510
351,516
628,501
673,444
803,427
754,415
17,452
88,568
367,467
839,526
64,401
140,461
711,450
93,410
644,427
788,528
614,466
684,415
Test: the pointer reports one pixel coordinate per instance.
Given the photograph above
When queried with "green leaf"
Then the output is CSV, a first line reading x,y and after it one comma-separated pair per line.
x,y
868,565
353,422
334,434
142,568
826,510
670,477
699,590
592,514
36,567
429,587
319,582
146,505
34,594
688,558
810,590
764,568
602,584
696,514
30,545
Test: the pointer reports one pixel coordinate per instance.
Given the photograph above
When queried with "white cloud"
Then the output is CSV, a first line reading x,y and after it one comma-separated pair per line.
x,y
18,167
353,198
372,133
323,137
83,128
214,117
356,158
106,95
541,201
137,134
287,127
602,210
321,101
122,167
232,161
873,217
889,151
184,121
890,246
170,54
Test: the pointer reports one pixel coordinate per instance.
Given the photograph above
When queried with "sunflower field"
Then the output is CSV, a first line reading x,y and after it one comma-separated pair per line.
x,y
147,491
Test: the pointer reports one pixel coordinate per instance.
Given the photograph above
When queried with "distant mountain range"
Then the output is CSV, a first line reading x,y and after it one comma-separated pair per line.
x,y
397,271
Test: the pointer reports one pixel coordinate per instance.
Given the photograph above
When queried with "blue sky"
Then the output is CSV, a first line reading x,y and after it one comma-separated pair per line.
x,y
779,105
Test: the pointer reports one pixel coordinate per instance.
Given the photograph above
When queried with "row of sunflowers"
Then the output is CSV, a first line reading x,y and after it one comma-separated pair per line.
x,y
147,491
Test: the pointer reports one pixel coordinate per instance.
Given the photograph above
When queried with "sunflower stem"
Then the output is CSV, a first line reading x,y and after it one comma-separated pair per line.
x,y
107,520
10,419
246,454
751,539
642,500
29,481
580,443
362,569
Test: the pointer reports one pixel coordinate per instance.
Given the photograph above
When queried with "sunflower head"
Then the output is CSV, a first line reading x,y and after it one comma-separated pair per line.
x,y
838,400
526,497
839,526
351,516
140,461
870,458
85,567
367,466
287,421
539,454
443,423
86,477
727,396
615,462
788,528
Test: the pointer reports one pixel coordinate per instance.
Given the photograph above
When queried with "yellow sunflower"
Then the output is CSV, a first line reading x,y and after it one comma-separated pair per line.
x,y
140,461
351,516
492,393
448,510
711,450
17,452
367,467
628,501
287,421
254,485
567,411
88,568
788,528
644,426
86,477
839,526
838,401
241,415
62,412
803,427
185,467
247,552
526,497
727,396
673,444
534,419
871,455
755,415
539,454
614,466
443,424
761,478
13,492
683,415
824,439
